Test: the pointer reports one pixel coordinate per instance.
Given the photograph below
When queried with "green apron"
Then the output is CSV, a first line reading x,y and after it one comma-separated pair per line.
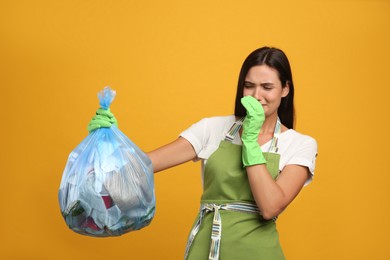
x,y
229,225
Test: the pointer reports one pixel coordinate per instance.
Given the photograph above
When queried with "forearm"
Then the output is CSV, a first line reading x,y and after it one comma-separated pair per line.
x,y
175,153
268,195
271,196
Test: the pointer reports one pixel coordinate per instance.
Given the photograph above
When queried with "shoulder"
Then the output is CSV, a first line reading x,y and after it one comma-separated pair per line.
x,y
206,134
210,127
297,148
214,124
293,138
218,121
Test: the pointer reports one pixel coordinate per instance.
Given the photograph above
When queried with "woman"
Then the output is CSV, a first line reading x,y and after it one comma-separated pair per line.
x,y
251,173
253,163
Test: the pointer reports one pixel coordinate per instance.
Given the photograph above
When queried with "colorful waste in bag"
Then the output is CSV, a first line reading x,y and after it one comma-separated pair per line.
x,y
107,188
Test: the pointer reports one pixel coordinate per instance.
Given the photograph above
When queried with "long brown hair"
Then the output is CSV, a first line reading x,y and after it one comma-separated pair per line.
x,y
276,59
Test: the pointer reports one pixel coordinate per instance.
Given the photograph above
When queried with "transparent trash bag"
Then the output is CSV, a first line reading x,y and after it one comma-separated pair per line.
x,y
107,187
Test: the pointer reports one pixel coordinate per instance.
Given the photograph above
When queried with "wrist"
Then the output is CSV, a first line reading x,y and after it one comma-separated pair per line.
x,y
252,154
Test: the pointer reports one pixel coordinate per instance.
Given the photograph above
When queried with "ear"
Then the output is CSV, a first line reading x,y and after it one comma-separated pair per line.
x,y
286,89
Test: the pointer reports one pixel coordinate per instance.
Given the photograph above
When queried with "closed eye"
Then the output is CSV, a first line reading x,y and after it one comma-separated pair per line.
x,y
248,84
267,86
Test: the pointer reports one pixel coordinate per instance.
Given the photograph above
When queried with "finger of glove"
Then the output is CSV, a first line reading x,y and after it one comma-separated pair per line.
x,y
254,110
104,118
101,123
104,112
96,123
252,106
92,127
253,120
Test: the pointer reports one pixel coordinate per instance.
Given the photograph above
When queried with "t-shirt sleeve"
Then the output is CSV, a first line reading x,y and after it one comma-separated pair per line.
x,y
205,135
199,137
305,155
195,134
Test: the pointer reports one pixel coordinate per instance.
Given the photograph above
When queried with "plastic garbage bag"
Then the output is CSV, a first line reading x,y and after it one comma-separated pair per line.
x,y
107,187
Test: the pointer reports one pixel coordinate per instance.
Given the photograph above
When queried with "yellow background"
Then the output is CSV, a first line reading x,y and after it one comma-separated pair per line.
x,y
173,63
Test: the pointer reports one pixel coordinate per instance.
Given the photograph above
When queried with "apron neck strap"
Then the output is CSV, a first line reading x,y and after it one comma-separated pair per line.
x,y
274,144
238,124
234,130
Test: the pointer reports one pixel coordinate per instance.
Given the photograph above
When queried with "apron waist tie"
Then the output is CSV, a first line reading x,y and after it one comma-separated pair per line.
x,y
217,223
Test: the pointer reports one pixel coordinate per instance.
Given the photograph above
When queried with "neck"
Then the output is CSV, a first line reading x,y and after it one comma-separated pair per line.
x,y
269,124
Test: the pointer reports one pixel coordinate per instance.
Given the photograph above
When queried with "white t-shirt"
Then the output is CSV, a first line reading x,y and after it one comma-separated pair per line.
x,y
293,147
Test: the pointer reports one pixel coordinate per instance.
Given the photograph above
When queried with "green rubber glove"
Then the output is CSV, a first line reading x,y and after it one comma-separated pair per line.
x,y
103,118
251,151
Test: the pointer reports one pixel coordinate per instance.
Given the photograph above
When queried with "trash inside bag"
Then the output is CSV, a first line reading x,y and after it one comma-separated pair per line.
x,y
107,187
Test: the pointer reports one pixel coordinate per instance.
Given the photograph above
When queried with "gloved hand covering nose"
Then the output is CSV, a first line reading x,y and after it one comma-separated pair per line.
x,y
103,118
251,150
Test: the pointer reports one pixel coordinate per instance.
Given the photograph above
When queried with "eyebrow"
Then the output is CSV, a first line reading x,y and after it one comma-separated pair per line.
x,y
265,84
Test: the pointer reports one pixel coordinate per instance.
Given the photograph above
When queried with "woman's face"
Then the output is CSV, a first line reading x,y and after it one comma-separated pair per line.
x,y
262,82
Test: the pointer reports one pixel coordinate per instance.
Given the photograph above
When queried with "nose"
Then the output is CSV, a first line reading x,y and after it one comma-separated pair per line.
x,y
257,93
